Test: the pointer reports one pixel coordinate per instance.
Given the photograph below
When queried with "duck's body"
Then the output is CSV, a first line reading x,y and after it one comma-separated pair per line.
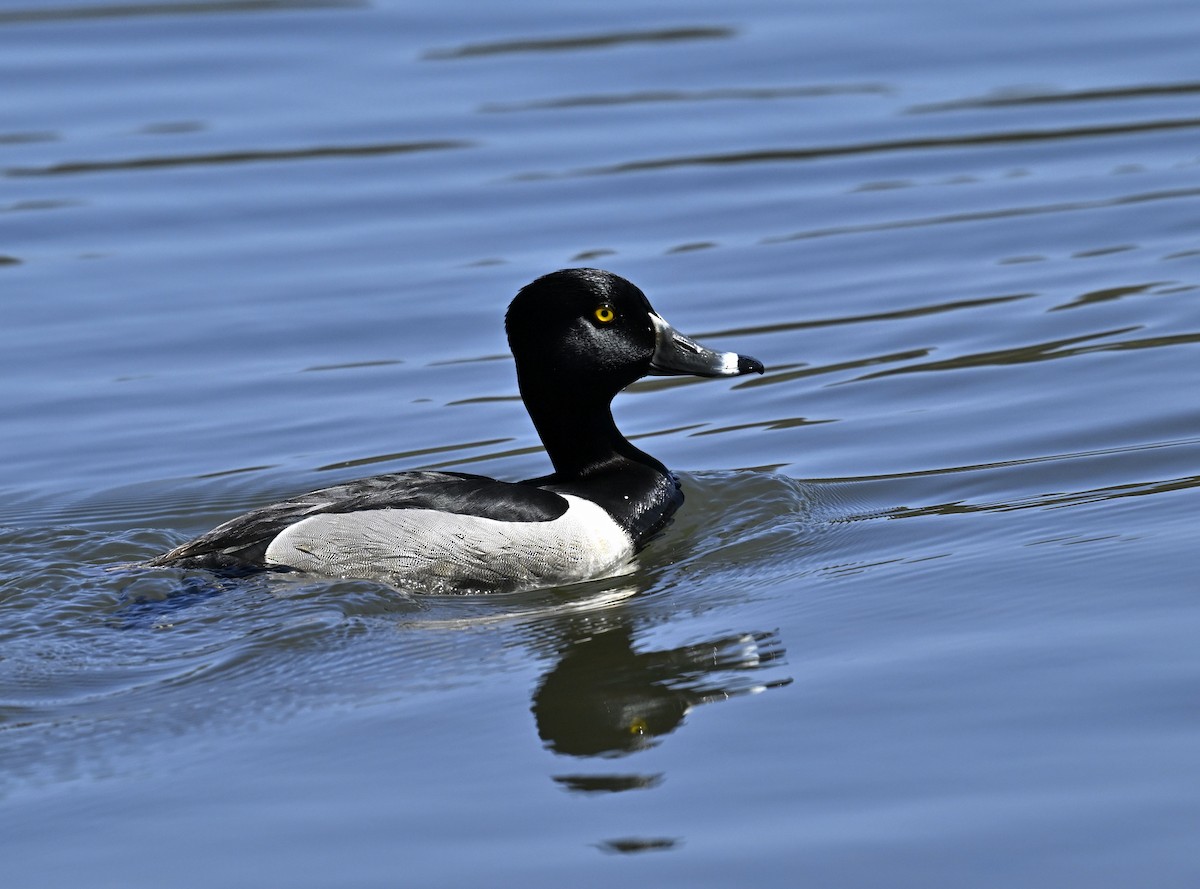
x,y
430,531
579,336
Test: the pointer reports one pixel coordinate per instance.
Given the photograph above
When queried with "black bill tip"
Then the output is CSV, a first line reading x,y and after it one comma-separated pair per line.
x,y
748,365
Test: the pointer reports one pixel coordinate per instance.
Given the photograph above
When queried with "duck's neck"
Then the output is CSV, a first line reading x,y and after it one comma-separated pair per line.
x,y
581,438
593,460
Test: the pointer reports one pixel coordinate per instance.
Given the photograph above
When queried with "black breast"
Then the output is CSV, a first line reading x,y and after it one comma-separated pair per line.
x,y
640,498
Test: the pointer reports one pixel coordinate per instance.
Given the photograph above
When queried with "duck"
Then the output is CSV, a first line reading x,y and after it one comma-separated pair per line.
x,y
578,337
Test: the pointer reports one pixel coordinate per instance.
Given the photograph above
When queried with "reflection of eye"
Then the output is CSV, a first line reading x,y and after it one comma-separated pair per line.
x,y
604,314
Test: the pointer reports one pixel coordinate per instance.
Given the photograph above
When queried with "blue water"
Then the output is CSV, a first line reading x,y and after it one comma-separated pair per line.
x,y
928,616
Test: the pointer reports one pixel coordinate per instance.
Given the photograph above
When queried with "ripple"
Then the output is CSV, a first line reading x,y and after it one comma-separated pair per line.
x,y
1107,294
1047,483
1049,350
649,97
41,204
581,41
248,156
784,423
172,128
757,525
1099,94
28,137
957,305
416,452
635,845
137,10
1058,499
353,365
118,659
1186,444
786,376
887,146
1172,194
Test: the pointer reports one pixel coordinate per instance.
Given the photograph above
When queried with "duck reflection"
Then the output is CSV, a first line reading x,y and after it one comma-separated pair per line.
x,y
604,698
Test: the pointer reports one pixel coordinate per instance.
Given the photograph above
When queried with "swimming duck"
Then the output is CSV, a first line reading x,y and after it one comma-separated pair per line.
x,y
579,336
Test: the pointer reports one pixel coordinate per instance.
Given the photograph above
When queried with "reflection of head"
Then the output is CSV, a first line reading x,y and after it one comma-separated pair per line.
x,y
606,718
605,699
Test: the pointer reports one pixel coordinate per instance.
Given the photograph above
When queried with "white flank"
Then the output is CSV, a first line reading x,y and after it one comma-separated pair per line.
x,y
443,552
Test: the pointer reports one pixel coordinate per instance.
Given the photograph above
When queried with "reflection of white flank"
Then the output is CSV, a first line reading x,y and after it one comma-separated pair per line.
x,y
499,610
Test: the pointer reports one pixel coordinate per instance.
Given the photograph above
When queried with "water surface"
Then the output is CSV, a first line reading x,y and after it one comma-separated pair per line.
x,y
929,610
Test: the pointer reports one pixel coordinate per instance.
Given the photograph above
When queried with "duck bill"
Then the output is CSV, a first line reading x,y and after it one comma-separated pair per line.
x,y
676,354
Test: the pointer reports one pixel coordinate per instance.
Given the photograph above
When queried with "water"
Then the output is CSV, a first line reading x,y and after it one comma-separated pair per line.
x,y
928,616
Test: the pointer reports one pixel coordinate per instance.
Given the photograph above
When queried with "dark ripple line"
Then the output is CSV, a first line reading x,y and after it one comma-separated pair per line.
x,y
131,10
417,452
1108,294
787,376
712,95
222,473
1047,351
1003,464
987,215
1101,94
769,425
968,140
353,365
538,449
27,137
583,41
237,157
1055,500
897,314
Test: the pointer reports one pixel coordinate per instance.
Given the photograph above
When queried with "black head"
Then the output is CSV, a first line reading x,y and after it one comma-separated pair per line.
x,y
580,336
594,333
583,328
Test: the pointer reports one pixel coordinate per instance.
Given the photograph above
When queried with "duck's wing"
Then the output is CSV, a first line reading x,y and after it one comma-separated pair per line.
x,y
242,542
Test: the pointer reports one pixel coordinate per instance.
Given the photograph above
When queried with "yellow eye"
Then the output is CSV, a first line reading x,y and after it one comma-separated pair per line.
x,y
604,314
